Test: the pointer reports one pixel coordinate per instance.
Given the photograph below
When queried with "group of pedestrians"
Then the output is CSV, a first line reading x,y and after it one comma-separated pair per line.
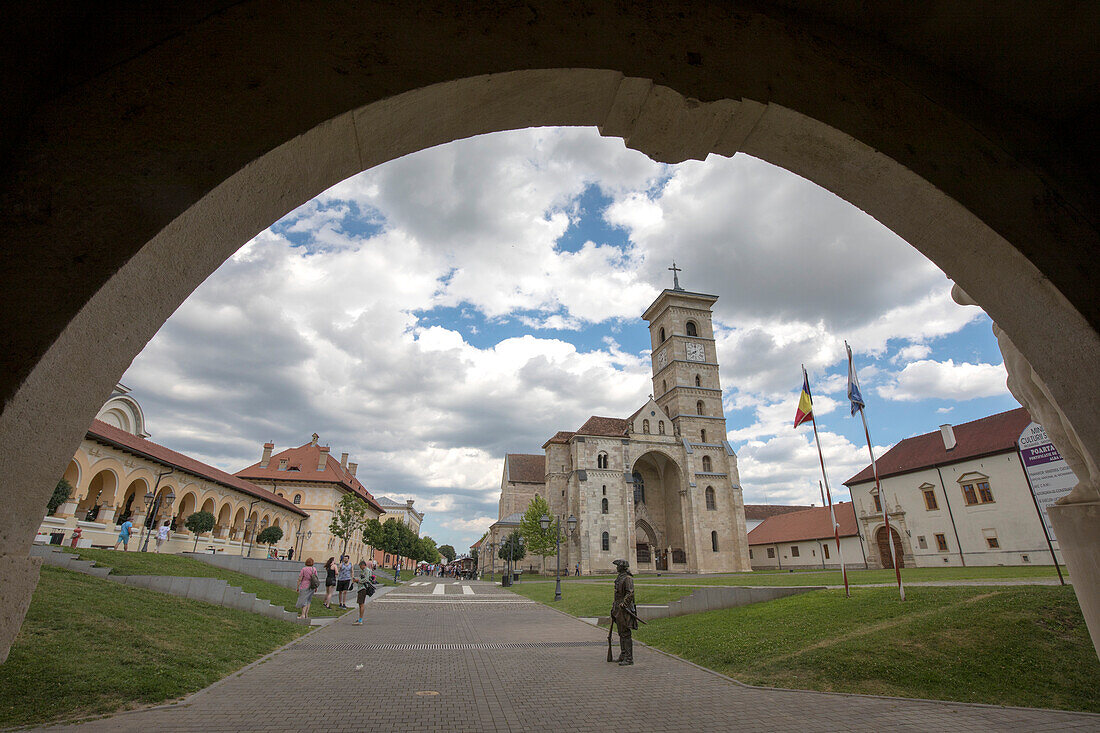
x,y
339,577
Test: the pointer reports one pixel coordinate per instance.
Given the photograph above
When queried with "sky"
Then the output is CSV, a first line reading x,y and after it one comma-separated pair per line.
x,y
436,312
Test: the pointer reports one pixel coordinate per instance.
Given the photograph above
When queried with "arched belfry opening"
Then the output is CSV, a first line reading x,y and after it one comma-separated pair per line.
x,y
659,515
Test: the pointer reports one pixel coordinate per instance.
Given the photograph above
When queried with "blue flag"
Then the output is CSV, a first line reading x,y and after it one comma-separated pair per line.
x,y
854,395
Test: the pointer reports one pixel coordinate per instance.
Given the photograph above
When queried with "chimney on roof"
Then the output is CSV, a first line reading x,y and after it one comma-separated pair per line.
x,y
352,467
344,460
322,462
266,457
948,434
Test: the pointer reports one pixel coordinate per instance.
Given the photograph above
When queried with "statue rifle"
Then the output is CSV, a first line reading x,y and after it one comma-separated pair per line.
x,y
610,628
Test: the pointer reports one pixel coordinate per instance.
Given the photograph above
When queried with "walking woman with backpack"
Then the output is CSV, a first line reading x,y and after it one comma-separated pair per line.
x,y
308,582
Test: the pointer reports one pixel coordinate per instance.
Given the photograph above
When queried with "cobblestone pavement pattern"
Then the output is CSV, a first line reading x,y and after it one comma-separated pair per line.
x,y
548,672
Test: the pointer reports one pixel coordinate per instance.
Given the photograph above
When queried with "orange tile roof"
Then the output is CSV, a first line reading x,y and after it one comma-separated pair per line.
x,y
808,524
562,436
302,463
763,511
104,433
982,437
526,468
596,425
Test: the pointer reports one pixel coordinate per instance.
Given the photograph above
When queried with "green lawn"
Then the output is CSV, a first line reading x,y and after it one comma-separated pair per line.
x,y
591,599
1007,646
150,563
91,647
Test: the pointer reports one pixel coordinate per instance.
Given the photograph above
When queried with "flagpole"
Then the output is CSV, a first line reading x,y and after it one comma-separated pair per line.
x,y
839,551
821,457
874,469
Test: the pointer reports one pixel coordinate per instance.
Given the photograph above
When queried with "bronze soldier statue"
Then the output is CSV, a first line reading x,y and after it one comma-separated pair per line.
x,y
624,614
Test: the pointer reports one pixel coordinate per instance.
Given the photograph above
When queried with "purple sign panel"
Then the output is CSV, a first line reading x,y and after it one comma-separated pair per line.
x,y
1047,472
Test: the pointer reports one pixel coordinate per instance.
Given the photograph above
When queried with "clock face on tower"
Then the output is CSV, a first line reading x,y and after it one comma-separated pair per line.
x,y
695,352
662,359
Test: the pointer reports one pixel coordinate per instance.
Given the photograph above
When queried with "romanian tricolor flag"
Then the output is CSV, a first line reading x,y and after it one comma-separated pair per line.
x,y
805,404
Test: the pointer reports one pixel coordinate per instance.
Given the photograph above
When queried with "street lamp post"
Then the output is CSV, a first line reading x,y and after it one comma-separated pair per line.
x,y
252,540
168,499
247,524
544,522
149,496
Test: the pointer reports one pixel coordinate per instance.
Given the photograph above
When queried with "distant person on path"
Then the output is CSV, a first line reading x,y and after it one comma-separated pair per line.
x,y
330,581
366,588
124,535
290,554
396,574
308,582
343,580
578,570
162,535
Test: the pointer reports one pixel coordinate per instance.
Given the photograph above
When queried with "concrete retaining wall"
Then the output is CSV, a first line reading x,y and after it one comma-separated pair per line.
x,y
283,573
720,596
209,590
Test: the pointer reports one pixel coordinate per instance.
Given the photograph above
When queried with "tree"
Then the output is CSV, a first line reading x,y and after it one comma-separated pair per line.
x,y
61,494
199,523
270,536
539,541
349,517
427,551
474,555
391,536
512,549
448,552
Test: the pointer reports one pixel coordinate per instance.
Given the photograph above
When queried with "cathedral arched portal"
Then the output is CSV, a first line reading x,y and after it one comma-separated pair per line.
x,y
658,511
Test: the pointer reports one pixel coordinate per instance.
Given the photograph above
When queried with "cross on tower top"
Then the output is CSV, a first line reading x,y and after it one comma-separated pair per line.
x,y
675,276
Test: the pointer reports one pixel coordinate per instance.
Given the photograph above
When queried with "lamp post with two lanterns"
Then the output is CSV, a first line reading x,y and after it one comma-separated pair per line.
x,y
492,559
544,522
152,507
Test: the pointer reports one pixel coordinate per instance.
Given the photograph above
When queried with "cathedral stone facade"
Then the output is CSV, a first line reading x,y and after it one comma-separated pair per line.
x,y
660,487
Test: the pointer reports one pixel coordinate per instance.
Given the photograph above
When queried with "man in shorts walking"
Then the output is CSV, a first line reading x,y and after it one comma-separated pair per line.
x,y
124,535
343,580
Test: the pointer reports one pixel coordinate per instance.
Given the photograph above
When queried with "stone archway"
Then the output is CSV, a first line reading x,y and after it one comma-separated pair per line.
x,y
883,119
884,548
659,514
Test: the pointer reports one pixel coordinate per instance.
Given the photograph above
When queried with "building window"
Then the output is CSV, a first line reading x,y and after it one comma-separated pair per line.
x,y
794,550
699,407
639,488
750,553
825,549
386,560
662,335
603,506
703,435
297,498
661,427
706,464
605,490
930,500
698,381
714,542
601,460
991,538
645,426
664,386
922,542
692,329
711,504
941,543
977,492
878,503
605,541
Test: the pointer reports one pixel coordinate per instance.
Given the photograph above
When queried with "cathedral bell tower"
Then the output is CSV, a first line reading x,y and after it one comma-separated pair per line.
x,y
685,363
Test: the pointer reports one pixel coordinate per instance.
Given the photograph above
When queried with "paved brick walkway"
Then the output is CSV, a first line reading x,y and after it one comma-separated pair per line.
x,y
441,657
